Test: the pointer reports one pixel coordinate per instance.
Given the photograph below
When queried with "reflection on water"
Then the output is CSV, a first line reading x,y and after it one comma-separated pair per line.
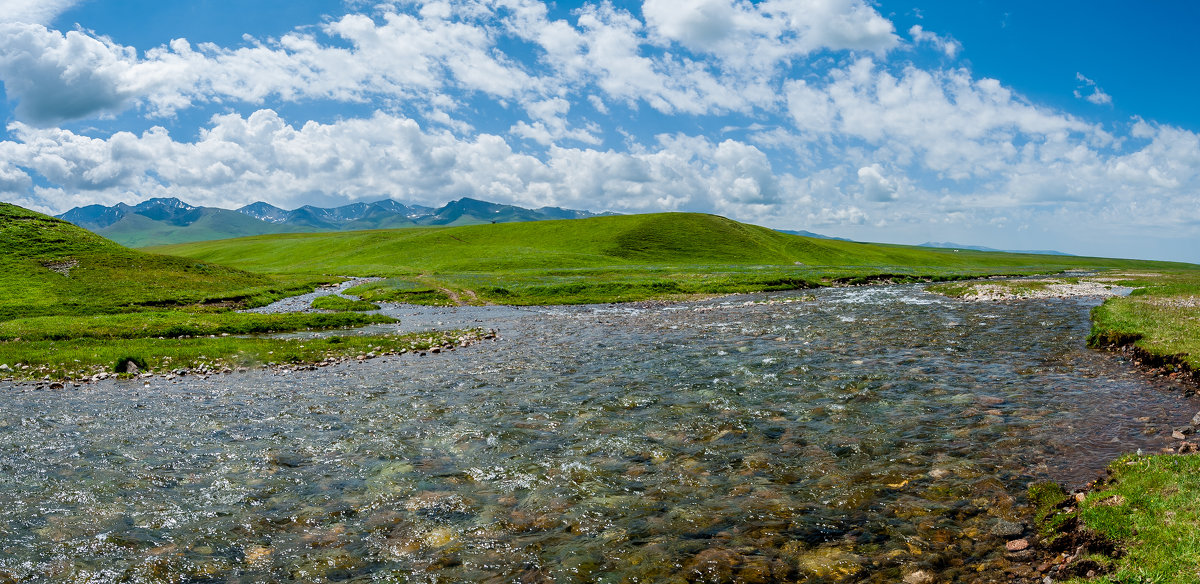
x,y
855,436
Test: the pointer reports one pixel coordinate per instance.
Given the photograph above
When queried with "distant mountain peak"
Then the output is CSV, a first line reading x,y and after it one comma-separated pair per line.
x,y
165,220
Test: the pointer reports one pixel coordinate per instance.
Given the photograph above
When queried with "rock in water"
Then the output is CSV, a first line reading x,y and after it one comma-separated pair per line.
x,y
1196,420
1004,528
1017,545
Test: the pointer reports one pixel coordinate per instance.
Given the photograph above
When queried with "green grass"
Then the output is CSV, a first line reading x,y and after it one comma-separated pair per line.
x,y
1161,317
611,259
1149,506
71,301
50,267
84,357
342,304
401,290
174,324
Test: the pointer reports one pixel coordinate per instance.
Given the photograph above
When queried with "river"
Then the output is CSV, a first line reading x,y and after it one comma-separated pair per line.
x,y
854,434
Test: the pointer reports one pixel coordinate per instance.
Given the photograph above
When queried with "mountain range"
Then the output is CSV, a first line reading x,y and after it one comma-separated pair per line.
x,y
952,245
162,221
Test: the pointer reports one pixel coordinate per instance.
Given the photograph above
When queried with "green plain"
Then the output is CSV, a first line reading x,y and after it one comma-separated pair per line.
x,y
614,259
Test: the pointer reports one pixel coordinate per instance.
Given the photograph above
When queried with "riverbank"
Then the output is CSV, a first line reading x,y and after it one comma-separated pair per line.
x,y
1152,318
1137,523
60,363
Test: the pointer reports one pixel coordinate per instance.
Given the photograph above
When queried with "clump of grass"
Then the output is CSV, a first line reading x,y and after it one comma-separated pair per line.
x,y
343,304
952,290
1151,504
1160,317
80,358
1047,498
176,324
403,291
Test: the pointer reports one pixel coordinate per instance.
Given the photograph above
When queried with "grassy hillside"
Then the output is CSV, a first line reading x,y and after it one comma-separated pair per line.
x,y
611,258
71,302
48,266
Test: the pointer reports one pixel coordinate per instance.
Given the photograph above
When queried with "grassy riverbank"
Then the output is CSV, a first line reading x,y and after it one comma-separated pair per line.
x,y
83,358
1138,525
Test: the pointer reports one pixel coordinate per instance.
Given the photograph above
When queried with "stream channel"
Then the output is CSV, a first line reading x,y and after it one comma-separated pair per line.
x,y
841,435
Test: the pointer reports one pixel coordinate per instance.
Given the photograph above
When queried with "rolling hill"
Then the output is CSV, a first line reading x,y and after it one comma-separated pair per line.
x,y
675,239
677,252
50,266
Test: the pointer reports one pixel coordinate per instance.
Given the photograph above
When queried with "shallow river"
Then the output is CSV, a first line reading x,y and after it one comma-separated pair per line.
x,y
848,435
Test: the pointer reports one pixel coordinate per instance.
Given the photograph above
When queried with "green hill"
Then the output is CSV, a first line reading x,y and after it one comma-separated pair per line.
x,y
611,258
50,266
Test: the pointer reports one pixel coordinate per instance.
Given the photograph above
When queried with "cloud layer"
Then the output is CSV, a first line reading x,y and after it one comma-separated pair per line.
x,y
792,113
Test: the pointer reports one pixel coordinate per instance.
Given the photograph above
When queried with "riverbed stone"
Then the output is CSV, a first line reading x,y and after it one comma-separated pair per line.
x,y
918,577
1017,545
833,564
1005,528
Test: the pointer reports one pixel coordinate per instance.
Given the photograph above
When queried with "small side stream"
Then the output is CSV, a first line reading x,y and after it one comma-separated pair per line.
x,y
857,435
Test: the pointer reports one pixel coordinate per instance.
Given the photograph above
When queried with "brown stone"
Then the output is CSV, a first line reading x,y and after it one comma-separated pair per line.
x,y
918,577
1017,545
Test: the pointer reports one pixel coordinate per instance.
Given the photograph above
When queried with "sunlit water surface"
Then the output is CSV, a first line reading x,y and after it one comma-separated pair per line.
x,y
850,435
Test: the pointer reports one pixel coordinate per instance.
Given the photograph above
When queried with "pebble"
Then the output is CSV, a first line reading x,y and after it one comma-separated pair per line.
x,y
1017,545
918,577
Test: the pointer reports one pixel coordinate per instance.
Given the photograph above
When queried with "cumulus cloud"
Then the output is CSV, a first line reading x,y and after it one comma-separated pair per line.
x,y
33,11
238,159
762,35
56,76
875,186
425,51
944,121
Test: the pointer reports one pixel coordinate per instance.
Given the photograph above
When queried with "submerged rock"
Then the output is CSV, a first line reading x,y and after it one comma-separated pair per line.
x,y
832,564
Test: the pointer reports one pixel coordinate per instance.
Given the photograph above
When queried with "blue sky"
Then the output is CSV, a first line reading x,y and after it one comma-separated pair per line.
x,y
1016,125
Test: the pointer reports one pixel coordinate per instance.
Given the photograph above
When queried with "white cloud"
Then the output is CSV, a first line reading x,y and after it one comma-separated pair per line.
x,y
56,76
946,45
875,186
427,52
33,11
1097,95
944,121
762,35
262,157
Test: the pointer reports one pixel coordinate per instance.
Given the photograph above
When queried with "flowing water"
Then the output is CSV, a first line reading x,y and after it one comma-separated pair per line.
x,y
849,435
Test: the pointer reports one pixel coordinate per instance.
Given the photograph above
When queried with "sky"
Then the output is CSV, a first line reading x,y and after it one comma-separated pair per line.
x,y
1065,125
